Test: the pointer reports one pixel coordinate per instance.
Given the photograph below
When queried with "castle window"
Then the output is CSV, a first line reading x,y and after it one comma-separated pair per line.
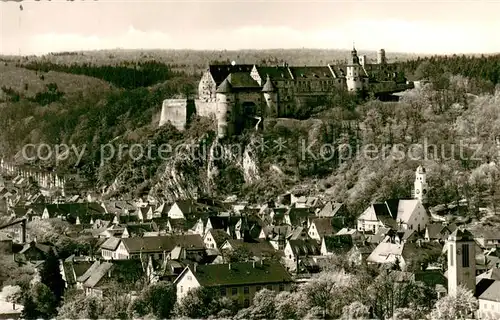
x,y
465,255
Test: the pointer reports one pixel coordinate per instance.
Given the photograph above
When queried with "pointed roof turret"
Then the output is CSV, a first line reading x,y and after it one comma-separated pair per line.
x,y
461,234
420,169
268,86
225,87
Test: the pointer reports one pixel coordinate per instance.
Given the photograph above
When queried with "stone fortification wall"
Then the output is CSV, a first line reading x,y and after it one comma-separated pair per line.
x,y
175,111
205,108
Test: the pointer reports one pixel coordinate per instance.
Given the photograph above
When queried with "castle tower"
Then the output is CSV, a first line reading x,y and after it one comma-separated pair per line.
x,y
271,97
420,185
461,261
225,101
353,77
381,57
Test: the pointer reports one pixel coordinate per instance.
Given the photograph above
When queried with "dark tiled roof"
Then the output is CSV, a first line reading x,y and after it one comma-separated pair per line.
x,y
220,72
220,236
242,80
258,248
488,289
139,229
111,243
324,226
431,277
311,73
244,273
305,247
434,230
338,244
163,243
278,73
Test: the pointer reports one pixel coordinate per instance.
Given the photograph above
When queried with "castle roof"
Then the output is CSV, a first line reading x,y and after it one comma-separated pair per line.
x,y
220,72
242,80
277,73
225,87
268,86
306,72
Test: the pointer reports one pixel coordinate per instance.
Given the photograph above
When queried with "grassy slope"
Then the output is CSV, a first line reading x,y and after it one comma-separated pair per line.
x,y
16,78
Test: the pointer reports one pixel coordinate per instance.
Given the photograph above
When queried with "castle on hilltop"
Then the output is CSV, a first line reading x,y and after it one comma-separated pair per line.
x,y
241,95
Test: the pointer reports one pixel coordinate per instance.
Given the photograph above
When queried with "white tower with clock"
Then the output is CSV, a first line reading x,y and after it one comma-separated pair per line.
x,y
420,185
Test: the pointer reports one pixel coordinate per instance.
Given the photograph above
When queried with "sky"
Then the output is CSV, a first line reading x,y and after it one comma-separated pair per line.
x,y
441,27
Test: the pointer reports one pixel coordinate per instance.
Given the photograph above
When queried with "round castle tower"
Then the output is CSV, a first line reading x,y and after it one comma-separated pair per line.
x,y
271,97
353,78
381,57
225,100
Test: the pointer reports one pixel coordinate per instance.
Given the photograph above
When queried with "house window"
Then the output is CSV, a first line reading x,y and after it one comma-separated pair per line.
x,y
234,291
182,288
189,278
246,303
246,290
269,287
465,255
223,292
282,287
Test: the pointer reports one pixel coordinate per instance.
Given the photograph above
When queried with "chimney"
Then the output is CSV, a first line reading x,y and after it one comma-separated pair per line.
x,y
253,264
229,266
196,265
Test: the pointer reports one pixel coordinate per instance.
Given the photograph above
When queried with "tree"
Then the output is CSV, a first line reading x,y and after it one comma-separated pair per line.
x,y
45,300
80,306
461,305
50,275
30,310
199,303
157,299
355,310
263,306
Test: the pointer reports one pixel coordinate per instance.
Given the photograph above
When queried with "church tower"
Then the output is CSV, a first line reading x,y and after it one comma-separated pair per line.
x,y
420,185
461,261
353,78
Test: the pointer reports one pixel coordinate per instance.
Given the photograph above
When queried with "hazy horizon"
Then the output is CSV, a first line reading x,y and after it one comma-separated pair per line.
x,y
397,26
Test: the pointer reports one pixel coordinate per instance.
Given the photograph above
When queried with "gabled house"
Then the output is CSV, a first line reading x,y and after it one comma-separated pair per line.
x,y
438,231
411,214
145,213
215,238
162,210
181,209
133,248
487,238
296,250
101,277
34,251
71,269
237,281
389,251
298,217
374,217
256,249
321,227
336,244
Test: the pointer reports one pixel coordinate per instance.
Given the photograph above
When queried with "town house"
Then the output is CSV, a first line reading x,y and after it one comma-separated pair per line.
x,y
238,281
